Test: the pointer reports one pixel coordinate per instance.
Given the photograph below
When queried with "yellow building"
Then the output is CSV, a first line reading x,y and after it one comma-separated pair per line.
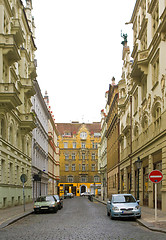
x,y
78,144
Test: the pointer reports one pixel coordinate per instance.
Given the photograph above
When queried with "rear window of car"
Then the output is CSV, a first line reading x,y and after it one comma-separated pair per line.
x,y
45,199
123,199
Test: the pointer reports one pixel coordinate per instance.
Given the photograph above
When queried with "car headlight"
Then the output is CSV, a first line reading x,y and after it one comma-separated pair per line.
x,y
137,207
52,205
115,208
36,206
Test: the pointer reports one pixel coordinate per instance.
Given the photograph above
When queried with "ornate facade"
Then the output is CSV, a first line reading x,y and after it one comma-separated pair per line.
x,y
17,72
142,102
112,140
78,144
102,156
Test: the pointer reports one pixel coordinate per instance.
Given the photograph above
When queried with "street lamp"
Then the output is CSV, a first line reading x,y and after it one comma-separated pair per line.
x,y
94,188
104,182
138,166
40,175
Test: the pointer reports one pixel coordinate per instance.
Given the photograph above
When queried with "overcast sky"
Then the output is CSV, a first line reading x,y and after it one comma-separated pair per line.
x,y
78,52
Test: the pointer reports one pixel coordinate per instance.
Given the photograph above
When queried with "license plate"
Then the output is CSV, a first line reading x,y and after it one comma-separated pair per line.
x,y
126,212
44,207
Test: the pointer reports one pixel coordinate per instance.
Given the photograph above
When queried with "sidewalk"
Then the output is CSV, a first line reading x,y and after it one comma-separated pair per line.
x,y
148,218
12,214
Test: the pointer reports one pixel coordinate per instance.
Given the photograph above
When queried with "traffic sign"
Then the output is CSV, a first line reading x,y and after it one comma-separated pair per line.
x,y
23,178
155,176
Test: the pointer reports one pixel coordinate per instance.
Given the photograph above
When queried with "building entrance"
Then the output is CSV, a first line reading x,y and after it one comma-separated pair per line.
x,y
83,189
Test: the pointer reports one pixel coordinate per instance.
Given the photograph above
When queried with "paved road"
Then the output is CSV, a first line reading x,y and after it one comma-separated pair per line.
x,y
79,219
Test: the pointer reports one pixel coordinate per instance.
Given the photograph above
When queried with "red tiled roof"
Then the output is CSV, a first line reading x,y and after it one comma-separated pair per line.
x,y
73,128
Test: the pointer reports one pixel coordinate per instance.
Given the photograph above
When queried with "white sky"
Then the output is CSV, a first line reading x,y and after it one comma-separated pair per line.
x,y
78,52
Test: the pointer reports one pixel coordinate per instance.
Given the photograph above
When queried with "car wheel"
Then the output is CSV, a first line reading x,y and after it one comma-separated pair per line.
x,y
55,210
112,218
138,217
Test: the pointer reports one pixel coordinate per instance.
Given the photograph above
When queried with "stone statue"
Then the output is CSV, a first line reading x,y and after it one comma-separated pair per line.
x,y
124,36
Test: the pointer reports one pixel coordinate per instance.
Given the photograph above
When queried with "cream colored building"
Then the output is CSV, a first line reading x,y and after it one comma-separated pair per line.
x,y
142,101
17,72
102,156
53,153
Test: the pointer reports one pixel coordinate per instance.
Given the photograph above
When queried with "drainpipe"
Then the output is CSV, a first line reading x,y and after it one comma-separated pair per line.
x,y
118,157
130,143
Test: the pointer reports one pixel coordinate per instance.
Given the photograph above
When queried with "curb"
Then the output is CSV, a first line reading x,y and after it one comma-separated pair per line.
x,y
14,219
141,222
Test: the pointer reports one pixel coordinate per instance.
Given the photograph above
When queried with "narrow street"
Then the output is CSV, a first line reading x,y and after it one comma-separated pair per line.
x,y
79,219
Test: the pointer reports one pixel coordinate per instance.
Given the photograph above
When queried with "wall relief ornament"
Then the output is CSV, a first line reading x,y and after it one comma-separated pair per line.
x,y
149,101
163,82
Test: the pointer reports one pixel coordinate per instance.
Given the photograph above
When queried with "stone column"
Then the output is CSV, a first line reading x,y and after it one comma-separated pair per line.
x,y
125,180
163,190
150,184
141,175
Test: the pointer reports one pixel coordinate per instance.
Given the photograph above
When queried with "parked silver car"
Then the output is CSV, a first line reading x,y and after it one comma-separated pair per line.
x,y
123,205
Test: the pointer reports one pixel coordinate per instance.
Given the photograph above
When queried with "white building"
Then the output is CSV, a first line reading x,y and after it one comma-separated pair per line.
x,y
40,144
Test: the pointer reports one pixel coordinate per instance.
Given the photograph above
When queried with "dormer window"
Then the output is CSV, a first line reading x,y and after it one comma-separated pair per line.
x,y
83,135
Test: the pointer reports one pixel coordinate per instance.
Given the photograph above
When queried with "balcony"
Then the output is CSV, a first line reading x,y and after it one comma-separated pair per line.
x,y
16,30
27,122
9,47
143,57
28,86
9,96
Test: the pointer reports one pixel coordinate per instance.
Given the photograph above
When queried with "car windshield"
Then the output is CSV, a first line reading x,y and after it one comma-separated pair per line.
x,y
57,197
123,199
45,199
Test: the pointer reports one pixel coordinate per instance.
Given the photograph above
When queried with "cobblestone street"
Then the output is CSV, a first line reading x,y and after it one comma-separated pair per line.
x,y
79,219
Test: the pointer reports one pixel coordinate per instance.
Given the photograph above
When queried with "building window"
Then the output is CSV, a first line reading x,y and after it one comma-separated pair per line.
x,y
73,156
83,135
65,144
83,179
157,117
96,179
93,167
135,100
155,72
145,127
3,171
66,156
94,145
83,145
73,167
144,88
66,167
93,156
155,18
83,167
70,179
83,156
74,144
11,172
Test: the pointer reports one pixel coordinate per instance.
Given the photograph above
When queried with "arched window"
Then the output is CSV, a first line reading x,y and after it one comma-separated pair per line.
x,y
157,117
11,135
2,128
